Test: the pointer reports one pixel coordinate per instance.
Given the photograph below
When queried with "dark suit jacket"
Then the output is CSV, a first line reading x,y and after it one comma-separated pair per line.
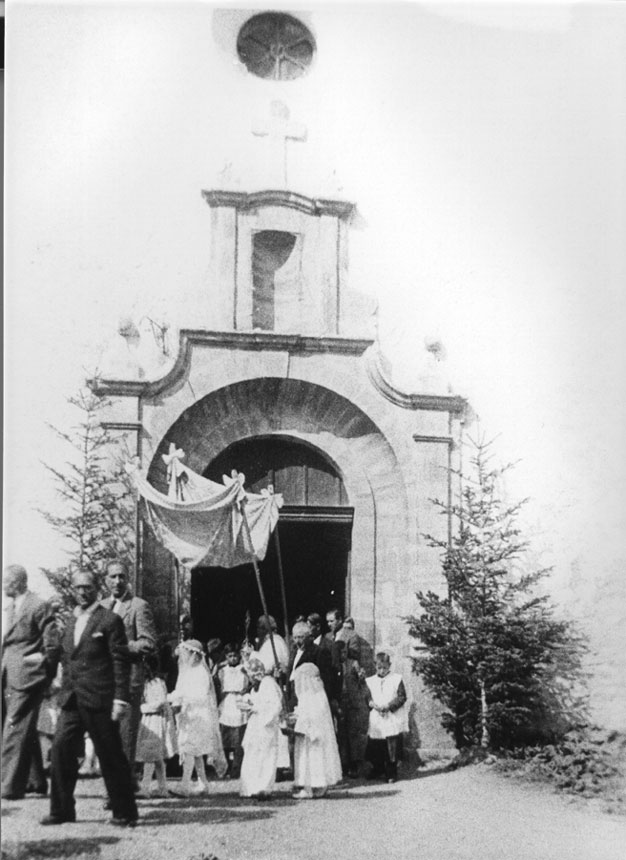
x,y
97,670
33,635
330,672
321,657
310,654
140,633
336,649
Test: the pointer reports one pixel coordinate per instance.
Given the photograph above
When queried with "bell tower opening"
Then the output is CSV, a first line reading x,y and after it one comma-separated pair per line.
x,y
314,535
271,251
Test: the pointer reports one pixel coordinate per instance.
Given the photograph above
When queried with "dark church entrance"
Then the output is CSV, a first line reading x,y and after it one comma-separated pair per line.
x,y
314,533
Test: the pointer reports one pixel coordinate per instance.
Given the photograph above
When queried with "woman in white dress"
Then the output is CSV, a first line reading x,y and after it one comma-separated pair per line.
x,y
263,705
197,717
316,757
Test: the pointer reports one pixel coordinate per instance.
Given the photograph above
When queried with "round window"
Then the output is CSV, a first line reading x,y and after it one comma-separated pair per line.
x,y
275,46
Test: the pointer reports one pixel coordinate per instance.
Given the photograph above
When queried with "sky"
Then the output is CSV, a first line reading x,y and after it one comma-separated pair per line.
x,y
484,146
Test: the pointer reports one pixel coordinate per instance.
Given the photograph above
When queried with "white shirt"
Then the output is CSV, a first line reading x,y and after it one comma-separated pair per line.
x,y
318,640
14,605
118,605
296,660
11,611
18,601
82,617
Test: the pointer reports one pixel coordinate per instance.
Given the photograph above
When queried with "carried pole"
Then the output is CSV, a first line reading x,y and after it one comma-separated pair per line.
x,y
282,587
175,490
257,573
177,587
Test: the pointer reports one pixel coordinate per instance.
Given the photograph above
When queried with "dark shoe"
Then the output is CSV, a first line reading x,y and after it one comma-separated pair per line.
x,y
41,790
123,822
9,796
57,819
284,774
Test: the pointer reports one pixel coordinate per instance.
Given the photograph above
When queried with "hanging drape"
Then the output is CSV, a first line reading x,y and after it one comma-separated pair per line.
x,y
201,522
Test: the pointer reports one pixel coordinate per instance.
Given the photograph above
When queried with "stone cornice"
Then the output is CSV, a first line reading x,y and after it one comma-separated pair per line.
x,y
441,440
427,402
290,343
121,425
243,201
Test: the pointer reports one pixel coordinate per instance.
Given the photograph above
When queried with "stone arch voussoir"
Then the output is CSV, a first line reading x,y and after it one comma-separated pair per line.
x,y
343,433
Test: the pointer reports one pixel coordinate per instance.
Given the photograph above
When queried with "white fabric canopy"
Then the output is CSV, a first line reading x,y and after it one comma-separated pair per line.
x,y
201,522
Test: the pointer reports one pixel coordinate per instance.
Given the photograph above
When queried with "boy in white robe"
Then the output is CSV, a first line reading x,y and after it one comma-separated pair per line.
x,y
233,685
263,705
277,669
388,719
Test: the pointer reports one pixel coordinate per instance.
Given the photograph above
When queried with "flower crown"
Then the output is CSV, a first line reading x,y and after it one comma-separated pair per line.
x,y
192,645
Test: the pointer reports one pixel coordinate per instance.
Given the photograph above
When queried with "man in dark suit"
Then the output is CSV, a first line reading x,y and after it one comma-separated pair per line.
x,y
358,664
328,663
93,696
30,654
142,641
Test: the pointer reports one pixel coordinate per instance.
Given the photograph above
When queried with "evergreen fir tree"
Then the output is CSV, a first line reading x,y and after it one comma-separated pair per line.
x,y
97,510
496,656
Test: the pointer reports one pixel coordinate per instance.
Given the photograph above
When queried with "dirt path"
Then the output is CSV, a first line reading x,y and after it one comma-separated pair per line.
x,y
469,814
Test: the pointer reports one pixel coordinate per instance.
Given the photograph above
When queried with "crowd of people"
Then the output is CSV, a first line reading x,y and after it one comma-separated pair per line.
x,y
316,708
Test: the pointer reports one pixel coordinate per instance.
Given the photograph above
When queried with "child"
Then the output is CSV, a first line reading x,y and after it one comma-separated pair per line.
x,y
316,757
233,683
263,705
156,738
197,718
48,717
388,719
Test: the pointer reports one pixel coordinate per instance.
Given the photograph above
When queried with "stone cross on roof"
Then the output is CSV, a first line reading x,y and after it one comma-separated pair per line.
x,y
279,131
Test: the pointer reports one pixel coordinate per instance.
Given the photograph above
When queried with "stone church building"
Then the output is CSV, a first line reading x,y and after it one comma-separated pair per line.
x,y
282,380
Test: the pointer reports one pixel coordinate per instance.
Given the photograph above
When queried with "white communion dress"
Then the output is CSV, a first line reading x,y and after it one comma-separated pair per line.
x,y
198,720
316,757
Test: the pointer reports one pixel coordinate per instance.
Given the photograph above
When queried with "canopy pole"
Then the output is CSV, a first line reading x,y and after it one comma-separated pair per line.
x,y
257,573
282,587
177,587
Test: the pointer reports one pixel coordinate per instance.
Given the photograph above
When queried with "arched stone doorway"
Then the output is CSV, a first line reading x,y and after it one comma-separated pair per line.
x,y
298,412
312,547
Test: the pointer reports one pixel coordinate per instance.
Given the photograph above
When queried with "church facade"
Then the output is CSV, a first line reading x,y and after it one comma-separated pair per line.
x,y
283,381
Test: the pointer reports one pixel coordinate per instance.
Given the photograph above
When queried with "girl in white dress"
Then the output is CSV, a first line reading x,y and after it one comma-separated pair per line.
x,y
197,719
156,739
316,757
263,705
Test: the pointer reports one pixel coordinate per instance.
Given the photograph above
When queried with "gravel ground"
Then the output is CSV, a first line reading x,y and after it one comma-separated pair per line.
x,y
468,814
